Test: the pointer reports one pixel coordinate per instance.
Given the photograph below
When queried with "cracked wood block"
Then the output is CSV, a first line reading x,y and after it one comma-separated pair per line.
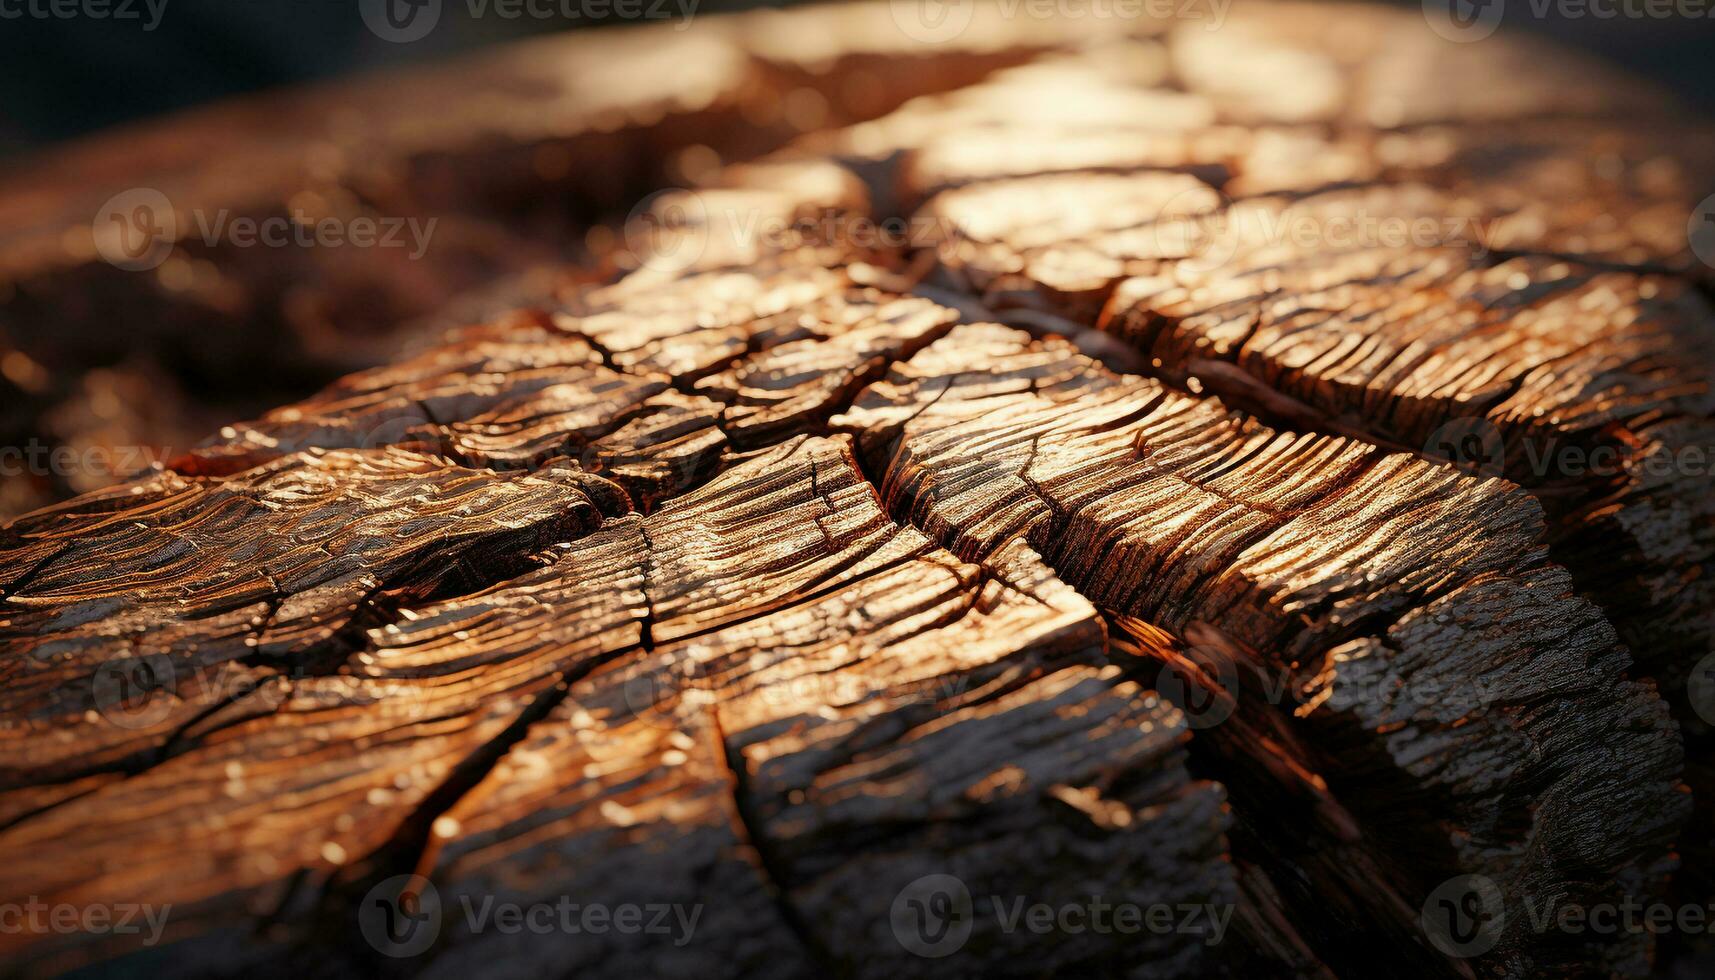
x,y
508,395
617,806
520,390
1414,606
524,390
1592,388
851,674
1064,241
747,585
126,624
1304,858
693,325
887,712
847,341
1479,307
261,797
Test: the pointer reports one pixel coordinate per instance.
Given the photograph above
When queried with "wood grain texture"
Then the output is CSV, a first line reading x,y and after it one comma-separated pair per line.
x,y
1071,471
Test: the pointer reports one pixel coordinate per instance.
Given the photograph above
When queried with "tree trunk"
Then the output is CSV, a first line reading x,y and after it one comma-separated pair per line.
x,y
1189,503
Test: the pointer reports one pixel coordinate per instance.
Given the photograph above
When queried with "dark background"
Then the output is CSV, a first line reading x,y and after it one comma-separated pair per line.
x,y
61,78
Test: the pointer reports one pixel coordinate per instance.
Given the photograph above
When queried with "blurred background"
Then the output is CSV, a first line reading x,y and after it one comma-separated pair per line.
x,y
70,76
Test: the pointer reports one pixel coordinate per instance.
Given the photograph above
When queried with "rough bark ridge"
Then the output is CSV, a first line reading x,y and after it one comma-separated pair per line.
x,y
1070,488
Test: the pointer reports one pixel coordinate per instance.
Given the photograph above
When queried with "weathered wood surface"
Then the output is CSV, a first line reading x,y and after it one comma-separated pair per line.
x,y
1090,536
